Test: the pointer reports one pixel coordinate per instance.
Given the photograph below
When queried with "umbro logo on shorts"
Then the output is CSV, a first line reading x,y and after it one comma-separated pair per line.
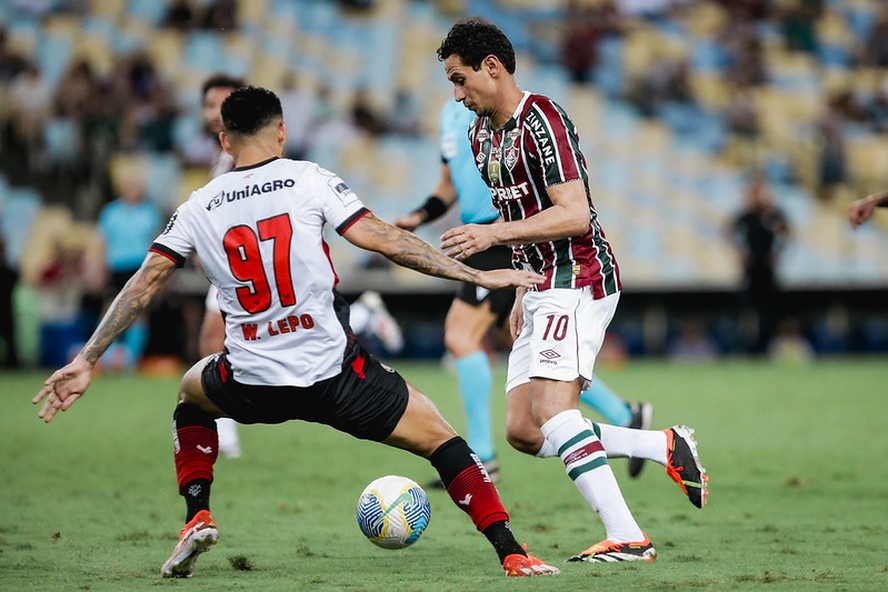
x,y
550,354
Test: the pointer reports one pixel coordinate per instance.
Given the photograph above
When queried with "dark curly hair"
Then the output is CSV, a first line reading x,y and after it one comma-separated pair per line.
x,y
249,109
474,39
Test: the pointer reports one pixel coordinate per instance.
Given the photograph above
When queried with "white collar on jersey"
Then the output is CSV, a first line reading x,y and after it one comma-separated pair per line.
x,y
519,108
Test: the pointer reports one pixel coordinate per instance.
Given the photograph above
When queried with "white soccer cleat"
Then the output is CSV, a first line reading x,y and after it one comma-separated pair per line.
x,y
382,324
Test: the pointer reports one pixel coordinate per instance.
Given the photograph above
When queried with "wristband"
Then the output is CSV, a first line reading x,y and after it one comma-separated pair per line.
x,y
433,208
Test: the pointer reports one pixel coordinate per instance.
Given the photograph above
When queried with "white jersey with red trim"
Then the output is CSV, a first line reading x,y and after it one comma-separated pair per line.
x,y
259,234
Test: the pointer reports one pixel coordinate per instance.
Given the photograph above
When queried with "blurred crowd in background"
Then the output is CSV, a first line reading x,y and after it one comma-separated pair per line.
x,y
724,138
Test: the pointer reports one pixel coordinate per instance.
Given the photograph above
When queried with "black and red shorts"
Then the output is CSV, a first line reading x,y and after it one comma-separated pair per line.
x,y
366,399
500,301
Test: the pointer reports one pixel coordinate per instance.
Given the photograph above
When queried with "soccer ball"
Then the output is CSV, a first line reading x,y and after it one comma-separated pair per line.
x,y
393,512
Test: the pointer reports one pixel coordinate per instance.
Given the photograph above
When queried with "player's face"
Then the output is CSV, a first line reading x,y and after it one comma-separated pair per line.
x,y
474,88
212,108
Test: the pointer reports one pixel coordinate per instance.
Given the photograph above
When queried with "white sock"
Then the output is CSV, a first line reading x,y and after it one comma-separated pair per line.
x,y
548,450
585,461
622,442
229,441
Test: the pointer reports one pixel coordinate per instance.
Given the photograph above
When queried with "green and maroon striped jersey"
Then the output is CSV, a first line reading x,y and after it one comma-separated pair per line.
x,y
537,148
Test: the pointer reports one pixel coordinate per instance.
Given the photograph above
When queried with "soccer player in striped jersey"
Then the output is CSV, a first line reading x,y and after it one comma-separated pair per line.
x,y
475,310
528,153
289,353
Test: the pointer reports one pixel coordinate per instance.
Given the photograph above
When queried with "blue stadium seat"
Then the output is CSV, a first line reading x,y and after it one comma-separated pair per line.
x,y
608,76
861,20
17,211
163,181
61,138
150,10
708,56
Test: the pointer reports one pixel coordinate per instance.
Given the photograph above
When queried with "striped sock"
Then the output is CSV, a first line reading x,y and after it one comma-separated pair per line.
x,y
585,461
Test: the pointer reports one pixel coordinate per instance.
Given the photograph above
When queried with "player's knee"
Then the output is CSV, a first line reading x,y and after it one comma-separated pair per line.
x,y
421,429
188,395
190,387
524,440
458,343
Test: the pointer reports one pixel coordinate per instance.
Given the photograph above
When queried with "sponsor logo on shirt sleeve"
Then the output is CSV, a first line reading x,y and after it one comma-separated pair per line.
x,y
343,192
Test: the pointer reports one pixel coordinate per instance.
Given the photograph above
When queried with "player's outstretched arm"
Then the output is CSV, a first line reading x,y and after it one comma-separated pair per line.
x,y
407,250
66,385
862,210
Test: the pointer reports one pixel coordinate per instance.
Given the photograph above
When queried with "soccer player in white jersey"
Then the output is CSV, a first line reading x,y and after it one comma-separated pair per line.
x,y
368,313
528,153
288,351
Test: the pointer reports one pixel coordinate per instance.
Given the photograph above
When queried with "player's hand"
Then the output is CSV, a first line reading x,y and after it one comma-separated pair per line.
x,y
861,210
464,241
516,317
509,278
63,388
409,222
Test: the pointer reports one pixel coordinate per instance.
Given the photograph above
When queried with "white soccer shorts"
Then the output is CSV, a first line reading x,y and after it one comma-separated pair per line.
x,y
561,337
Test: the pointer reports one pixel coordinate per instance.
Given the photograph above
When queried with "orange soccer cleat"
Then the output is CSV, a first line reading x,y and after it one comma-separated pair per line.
x,y
198,536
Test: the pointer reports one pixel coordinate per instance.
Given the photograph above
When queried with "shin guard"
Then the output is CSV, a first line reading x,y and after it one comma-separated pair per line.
x,y
195,444
468,483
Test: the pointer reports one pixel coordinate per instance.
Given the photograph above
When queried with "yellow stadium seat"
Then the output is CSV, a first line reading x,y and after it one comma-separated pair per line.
x,y
109,9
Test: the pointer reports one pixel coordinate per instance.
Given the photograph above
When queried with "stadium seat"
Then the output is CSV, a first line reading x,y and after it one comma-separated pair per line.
x,y
18,209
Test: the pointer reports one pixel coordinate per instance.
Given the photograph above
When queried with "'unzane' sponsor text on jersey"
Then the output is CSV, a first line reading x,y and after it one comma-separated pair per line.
x,y
536,149
259,234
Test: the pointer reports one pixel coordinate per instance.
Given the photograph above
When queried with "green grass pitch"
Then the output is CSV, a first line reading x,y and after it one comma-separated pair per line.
x,y
796,456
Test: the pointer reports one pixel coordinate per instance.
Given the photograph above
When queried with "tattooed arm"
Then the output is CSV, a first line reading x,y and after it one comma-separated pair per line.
x,y
408,250
66,385
128,305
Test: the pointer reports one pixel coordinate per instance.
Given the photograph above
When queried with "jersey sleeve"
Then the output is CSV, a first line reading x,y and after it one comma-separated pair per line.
x,y
555,146
339,204
176,241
